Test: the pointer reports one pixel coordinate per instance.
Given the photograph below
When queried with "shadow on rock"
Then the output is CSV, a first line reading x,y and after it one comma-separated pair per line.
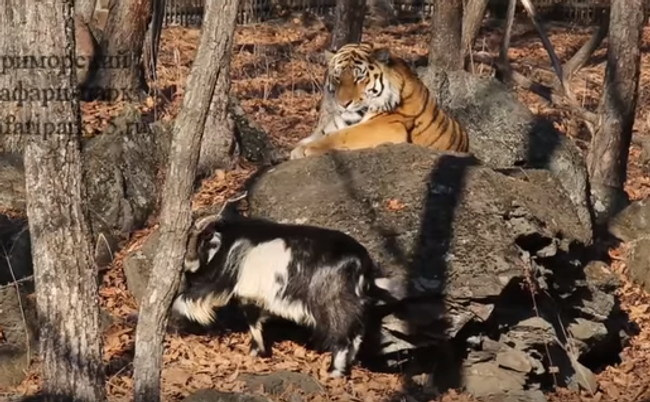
x,y
501,292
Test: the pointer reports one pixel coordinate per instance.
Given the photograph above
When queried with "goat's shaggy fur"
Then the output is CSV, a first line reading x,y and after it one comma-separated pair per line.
x,y
317,277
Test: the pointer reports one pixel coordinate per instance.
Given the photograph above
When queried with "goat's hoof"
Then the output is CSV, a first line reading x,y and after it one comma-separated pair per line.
x,y
336,374
255,352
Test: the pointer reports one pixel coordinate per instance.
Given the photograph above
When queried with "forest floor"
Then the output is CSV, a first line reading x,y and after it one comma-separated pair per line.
x,y
278,82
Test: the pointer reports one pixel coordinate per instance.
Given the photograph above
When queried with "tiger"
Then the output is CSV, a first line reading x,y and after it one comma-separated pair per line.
x,y
371,98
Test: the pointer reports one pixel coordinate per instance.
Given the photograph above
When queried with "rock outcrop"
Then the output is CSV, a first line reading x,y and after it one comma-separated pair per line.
x,y
494,259
504,133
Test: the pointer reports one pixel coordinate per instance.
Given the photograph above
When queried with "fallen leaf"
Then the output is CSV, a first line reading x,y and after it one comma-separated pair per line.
x,y
202,380
176,375
395,205
220,175
232,377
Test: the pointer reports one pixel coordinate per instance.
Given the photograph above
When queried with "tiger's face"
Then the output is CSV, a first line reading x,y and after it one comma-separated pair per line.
x,y
356,78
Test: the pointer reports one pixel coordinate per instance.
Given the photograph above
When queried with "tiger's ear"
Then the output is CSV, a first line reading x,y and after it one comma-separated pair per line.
x,y
381,55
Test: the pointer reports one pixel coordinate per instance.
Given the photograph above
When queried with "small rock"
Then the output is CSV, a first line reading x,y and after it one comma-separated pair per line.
x,y
478,356
295,398
585,377
12,182
136,270
18,321
587,331
633,222
486,379
137,266
600,275
212,395
529,333
13,365
638,263
518,396
277,382
514,360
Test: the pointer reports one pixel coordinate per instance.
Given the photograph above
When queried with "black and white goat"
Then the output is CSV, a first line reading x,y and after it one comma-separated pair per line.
x,y
317,277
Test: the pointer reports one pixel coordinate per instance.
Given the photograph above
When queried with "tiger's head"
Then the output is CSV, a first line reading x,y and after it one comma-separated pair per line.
x,y
360,78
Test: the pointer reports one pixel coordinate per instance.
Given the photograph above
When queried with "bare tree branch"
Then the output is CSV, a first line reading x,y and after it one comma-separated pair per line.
x,y
550,94
557,66
582,56
152,39
559,94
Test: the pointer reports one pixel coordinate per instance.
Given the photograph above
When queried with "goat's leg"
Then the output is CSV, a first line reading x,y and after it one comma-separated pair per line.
x,y
255,318
344,353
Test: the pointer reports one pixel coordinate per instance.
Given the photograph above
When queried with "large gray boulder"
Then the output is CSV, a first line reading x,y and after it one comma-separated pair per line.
x,y
505,133
471,243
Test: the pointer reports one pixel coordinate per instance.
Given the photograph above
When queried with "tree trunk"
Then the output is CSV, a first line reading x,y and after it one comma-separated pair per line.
x,y
15,73
219,128
380,13
445,52
473,13
85,9
120,73
64,272
175,217
348,22
608,153
152,39
13,33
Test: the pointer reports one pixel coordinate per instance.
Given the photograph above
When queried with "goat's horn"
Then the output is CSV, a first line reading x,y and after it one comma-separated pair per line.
x,y
203,222
192,253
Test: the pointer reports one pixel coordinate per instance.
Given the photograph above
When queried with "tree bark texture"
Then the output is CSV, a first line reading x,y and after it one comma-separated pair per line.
x,y
121,68
64,272
219,128
175,216
85,9
20,59
473,13
348,22
152,39
445,52
608,154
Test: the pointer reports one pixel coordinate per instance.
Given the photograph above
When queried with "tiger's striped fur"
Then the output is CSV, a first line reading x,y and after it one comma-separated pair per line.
x,y
372,98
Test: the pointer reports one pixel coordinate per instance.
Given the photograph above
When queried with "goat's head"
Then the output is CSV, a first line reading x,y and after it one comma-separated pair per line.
x,y
203,242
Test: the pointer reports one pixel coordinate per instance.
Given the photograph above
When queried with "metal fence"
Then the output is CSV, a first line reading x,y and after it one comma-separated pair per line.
x,y
190,12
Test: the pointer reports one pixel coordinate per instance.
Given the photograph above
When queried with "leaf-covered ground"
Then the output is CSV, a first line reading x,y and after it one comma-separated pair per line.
x,y
275,75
